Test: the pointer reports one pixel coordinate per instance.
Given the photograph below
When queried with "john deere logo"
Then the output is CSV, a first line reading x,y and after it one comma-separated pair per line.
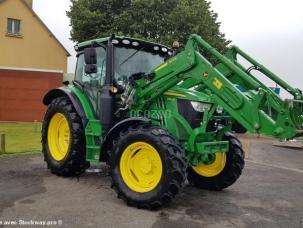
x,y
217,83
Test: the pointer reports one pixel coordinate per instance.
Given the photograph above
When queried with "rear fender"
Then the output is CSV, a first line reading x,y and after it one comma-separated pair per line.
x,y
65,92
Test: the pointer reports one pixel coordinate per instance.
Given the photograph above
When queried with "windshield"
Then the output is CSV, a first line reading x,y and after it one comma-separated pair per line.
x,y
130,61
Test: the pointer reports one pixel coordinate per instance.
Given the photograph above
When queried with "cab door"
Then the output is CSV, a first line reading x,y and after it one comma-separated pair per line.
x,y
92,83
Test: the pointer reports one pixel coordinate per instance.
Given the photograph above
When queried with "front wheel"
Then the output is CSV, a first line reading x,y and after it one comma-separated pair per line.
x,y
225,169
147,166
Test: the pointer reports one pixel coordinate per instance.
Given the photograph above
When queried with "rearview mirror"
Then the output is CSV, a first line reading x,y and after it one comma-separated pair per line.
x,y
90,56
91,68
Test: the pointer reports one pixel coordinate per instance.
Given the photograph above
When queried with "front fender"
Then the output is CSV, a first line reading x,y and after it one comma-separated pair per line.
x,y
114,131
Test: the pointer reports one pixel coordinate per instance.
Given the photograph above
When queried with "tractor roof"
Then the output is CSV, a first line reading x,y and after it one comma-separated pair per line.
x,y
88,43
124,41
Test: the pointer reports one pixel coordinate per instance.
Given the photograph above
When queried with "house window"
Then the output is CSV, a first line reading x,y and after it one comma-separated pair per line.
x,y
13,26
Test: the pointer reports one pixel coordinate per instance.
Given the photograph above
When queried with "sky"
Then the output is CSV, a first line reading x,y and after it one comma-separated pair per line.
x,y
271,31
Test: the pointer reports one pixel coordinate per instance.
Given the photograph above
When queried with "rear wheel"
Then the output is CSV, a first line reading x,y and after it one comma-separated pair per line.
x,y
224,170
63,142
147,167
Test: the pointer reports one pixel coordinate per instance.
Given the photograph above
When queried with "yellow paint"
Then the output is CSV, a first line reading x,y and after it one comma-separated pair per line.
x,y
217,83
35,48
212,169
165,64
174,94
161,66
58,137
172,60
141,167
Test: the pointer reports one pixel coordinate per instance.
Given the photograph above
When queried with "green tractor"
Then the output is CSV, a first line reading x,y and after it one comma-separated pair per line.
x,y
151,113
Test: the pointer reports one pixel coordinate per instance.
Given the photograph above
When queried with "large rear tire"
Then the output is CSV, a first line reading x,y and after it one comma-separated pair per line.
x,y
147,166
223,172
63,142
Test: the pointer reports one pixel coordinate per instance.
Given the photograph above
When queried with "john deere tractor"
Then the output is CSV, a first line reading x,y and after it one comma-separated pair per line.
x,y
153,114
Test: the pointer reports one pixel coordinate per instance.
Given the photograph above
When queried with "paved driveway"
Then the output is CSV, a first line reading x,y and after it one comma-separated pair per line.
x,y
268,194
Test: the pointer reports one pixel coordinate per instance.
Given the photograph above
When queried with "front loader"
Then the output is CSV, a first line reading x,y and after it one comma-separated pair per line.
x,y
155,116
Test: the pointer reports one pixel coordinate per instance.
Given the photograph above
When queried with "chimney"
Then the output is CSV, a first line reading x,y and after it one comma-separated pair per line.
x,y
29,3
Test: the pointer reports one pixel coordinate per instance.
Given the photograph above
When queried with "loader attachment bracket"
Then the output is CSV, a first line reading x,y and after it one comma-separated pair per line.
x,y
206,152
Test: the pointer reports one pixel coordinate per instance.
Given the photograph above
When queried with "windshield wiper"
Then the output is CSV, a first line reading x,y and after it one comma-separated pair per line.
x,y
129,57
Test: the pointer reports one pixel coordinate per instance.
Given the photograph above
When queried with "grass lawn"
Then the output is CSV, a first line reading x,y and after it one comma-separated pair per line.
x,y
21,137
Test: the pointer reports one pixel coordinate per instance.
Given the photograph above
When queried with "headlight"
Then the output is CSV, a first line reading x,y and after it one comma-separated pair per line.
x,y
156,48
200,107
135,43
115,41
126,42
219,109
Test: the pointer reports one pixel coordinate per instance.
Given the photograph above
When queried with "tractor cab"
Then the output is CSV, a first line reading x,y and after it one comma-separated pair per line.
x,y
112,61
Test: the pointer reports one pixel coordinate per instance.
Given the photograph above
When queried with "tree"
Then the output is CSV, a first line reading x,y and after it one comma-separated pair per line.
x,y
160,21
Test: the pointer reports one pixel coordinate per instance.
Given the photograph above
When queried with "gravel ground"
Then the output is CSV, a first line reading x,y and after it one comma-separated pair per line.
x,y
268,194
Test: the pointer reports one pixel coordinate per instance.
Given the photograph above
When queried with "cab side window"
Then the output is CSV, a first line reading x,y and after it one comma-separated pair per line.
x,y
96,79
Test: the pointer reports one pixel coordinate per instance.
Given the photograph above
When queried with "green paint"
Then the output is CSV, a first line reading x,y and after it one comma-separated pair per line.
x,y
258,109
93,129
190,76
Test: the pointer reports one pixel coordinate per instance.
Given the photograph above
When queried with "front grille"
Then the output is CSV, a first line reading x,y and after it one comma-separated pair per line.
x,y
186,110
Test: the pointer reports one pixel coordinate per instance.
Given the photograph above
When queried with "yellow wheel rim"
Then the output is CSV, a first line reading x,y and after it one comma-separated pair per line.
x,y
58,136
212,169
141,167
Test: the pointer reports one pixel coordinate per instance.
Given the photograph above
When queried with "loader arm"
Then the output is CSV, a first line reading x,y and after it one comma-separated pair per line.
x,y
255,106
